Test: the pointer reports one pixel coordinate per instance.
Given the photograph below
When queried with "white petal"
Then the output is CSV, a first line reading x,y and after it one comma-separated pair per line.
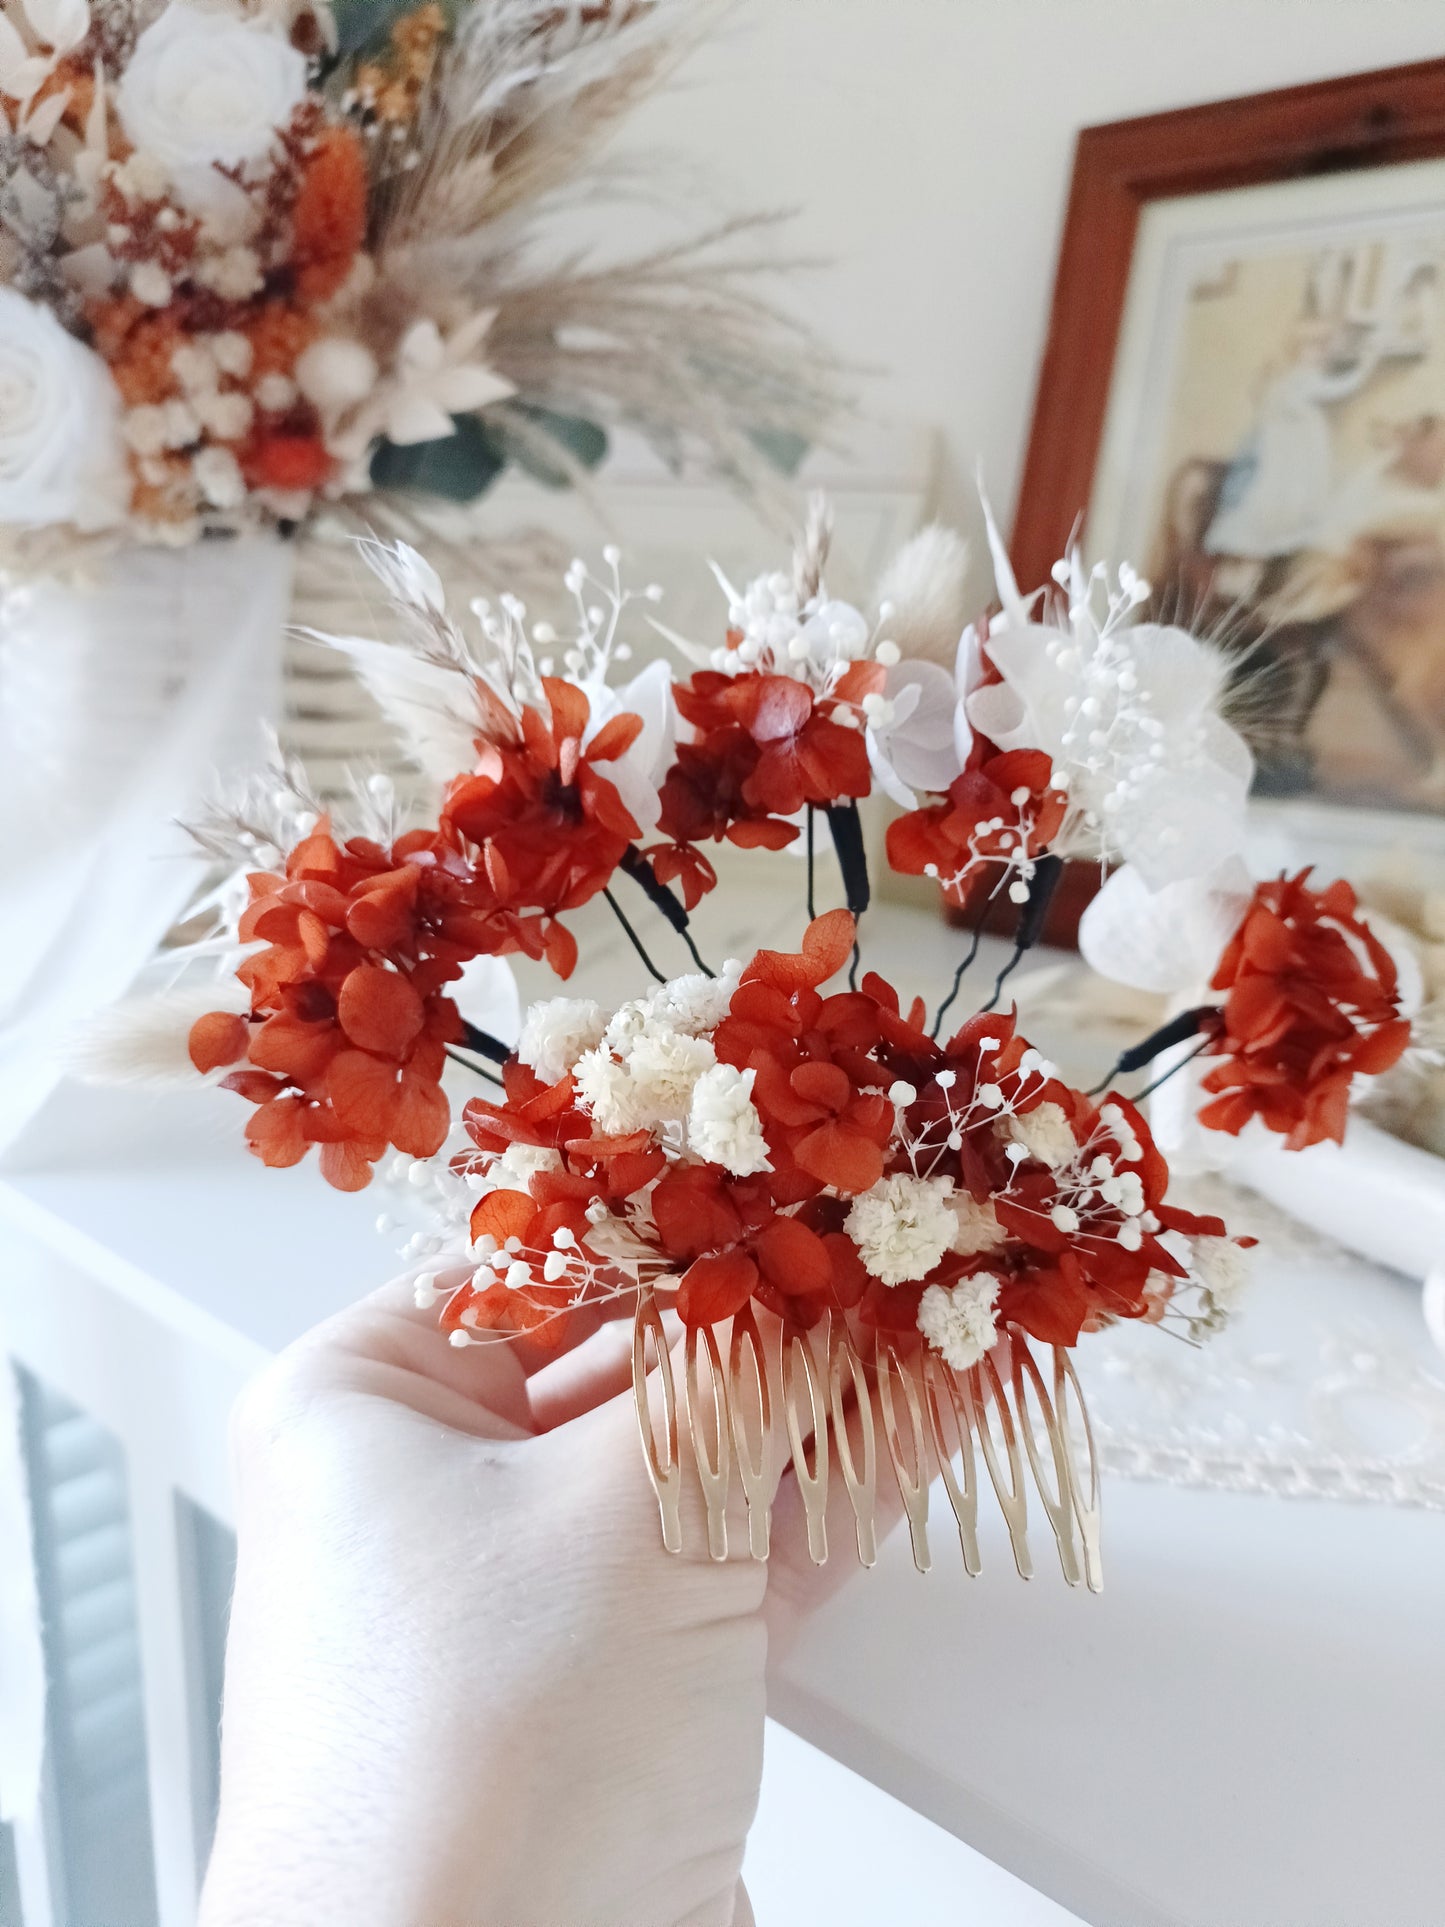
x,y
1014,607
888,778
649,695
998,713
962,736
1183,677
1163,940
40,125
920,742
464,390
463,342
414,418
421,351
968,664
97,125
1022,657
1180,823
61,24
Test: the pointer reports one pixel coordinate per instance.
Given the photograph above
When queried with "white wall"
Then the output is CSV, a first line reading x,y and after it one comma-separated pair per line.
x,y
928,145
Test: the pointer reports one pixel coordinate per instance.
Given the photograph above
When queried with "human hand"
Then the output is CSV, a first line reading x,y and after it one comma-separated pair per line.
x,y
465,1684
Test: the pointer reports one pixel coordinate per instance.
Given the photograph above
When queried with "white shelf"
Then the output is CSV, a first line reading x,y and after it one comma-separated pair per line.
x,y
1245,1728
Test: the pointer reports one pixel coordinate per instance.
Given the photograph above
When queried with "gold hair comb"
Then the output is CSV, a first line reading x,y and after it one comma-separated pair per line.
x,y
795,1398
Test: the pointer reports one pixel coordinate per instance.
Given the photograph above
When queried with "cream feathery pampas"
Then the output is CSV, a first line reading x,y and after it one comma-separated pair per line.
x,y
140,1043
926,589
677,341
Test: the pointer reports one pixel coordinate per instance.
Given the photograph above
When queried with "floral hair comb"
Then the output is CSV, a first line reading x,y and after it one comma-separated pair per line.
x,y
882,1234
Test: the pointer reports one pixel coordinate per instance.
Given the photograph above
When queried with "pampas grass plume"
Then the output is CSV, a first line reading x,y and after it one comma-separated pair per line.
x,y
140,1042
925,586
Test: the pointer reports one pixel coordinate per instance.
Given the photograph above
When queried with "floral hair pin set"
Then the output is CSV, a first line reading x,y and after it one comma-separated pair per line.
x,y
883,1221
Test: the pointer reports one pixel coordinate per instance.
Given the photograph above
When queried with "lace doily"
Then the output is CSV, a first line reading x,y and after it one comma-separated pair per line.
x,y
1326,1384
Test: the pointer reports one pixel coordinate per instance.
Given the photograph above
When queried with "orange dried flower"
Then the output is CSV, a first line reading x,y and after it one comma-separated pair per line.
x,y
140,360
329,218
392,88
279,334
287,462
111,320
171,500
1313,1003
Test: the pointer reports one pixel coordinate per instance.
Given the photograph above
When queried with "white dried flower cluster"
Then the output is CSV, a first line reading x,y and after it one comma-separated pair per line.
x,y
903,1226
1223,1272
811,638
723,1125
515,1168
1044,1132
959,1321
556,1032
640,1068
1129,714
695,1003
1094,1195
663,1066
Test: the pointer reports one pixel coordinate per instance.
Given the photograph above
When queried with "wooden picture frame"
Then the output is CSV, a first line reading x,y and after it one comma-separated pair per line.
x,y
1307,133
1327,127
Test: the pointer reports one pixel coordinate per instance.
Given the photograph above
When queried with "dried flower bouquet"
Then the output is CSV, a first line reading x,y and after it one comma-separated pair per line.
x,y
258,256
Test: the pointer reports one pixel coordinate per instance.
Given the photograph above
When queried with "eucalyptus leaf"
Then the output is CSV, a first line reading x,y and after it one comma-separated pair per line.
x,y
458,467
781,447
584,441
362,23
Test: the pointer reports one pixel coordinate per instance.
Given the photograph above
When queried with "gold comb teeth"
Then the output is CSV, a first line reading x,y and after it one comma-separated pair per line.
x,y
806,1397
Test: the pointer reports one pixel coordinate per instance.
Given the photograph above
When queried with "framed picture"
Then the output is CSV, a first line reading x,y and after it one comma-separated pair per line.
x,y
1243,393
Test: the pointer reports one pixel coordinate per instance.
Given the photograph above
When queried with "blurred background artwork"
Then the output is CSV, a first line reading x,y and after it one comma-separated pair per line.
x,y
1274,453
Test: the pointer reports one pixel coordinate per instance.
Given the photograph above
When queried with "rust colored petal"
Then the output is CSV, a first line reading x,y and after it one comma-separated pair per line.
x,y
380,1011
217,1039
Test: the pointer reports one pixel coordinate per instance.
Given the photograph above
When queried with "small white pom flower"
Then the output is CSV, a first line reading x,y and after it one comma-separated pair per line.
x,y
275,393
234,273
606,1092
194,367
903,1226
227,417
664,1066
723,1125
960,1322
515,1169
1044,1132
696,1003
232,353
150,284
626,1025
144,428
1223,1269
219,478
556,1033
336,373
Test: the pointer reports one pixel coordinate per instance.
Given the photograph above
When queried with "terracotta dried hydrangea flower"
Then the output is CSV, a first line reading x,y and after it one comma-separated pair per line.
x,y
1313,1002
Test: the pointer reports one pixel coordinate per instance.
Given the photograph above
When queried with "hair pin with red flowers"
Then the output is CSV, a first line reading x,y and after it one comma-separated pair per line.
x,y
880,1229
